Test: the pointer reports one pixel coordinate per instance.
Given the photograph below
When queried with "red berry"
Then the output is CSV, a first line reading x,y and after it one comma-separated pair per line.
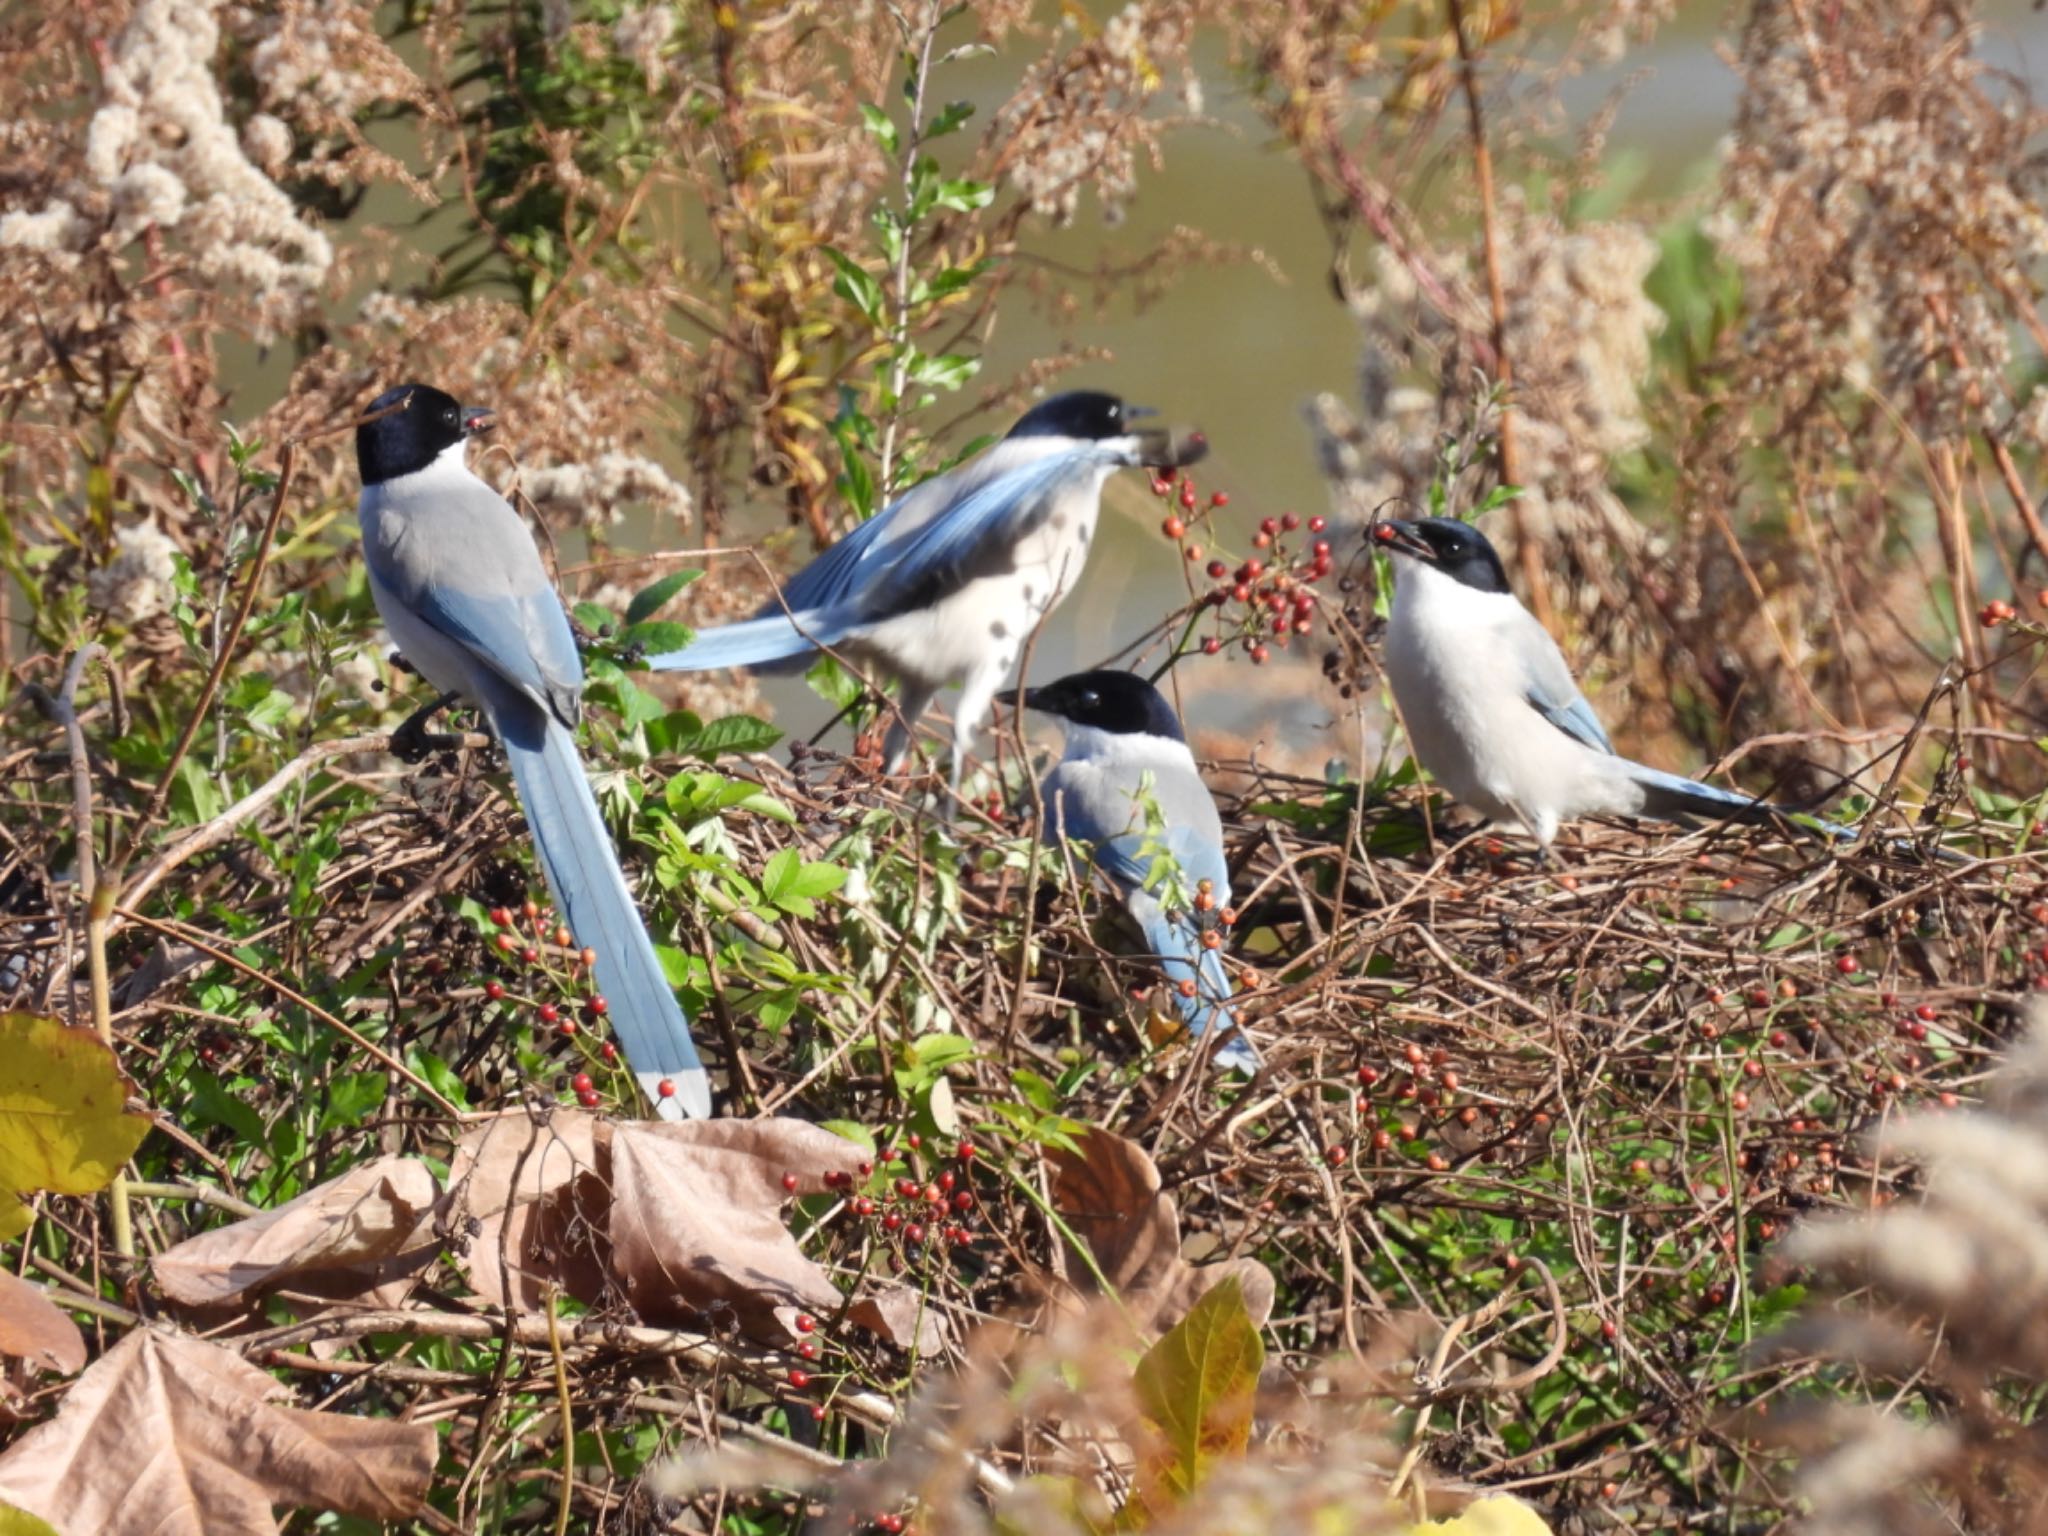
x,y
1217,570
564,938
588,957
966,1151
549,1013
587,1098
1926,1011
1220,499
1211,646
1187,496
494,991
799,1378
1847,964
914,1233
507,943
1368,1075
666,1088
963,1200
600,1007
581,1082
808,1349
609,1051
805,1322
501,917
915,1141
891,1222
789,1183
1174,528
1290,521
529,954
1259,655
1318,523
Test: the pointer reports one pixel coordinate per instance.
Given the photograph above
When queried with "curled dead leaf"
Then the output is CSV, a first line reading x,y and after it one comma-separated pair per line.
x,y
350,1232
1108,1193
168,1435
32,1329
529,1200
698,1227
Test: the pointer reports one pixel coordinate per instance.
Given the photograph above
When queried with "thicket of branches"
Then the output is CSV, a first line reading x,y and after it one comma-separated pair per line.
x,y
1506,1207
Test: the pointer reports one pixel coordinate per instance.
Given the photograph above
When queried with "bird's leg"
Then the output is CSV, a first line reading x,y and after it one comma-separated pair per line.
x,y
411,742
977,694
905,713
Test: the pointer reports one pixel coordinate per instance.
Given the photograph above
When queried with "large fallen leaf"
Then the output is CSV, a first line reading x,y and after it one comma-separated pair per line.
x,y
64,1123
345,1233
530,1200
1498,1515
1107,1192
697,1222
168,1435
1196,1388
32,1329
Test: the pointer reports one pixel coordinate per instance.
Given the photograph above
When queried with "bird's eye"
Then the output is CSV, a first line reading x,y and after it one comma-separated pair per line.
x,y
1090,699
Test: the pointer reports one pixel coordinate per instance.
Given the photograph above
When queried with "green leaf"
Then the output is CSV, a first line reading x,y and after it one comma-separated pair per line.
x,y
213,1101
964,196
949,119
1196,1388
439,1076
352,1099
880,127
648,601
193,792
853,1131
654,636
688,736
780,869
592,617
856,285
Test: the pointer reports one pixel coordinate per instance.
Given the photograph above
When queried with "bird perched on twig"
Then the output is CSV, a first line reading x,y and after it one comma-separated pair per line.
x,y
459,582
947,582
1127,787
1490,706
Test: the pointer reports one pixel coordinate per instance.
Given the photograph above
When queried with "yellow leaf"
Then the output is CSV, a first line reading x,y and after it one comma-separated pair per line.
x,y
1196,1387
19,1522
64,1125
1495,1516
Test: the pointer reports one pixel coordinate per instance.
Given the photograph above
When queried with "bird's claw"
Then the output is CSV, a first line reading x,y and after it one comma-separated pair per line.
x,y
412,742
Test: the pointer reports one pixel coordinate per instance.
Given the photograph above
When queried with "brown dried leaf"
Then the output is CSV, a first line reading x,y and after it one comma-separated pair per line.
x,y
32,1329
532,1197
1108,1194
344,1234
697,1221
901,1316
167,1435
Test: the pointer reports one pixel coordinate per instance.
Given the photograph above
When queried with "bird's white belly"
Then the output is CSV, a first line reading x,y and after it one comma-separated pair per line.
x,y
983,627
1470,726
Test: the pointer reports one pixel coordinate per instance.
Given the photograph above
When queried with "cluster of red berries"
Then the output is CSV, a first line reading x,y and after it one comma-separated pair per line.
x,y
1998,611
1266,599
531,936
910,1211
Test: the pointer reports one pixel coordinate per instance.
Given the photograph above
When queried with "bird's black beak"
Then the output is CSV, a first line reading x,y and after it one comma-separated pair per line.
x,y
1022,698
477,420
1169,447
1399,538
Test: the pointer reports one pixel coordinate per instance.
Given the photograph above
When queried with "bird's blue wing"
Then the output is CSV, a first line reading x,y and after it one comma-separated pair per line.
x,y
953,547
524,639
837,575
1548,686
